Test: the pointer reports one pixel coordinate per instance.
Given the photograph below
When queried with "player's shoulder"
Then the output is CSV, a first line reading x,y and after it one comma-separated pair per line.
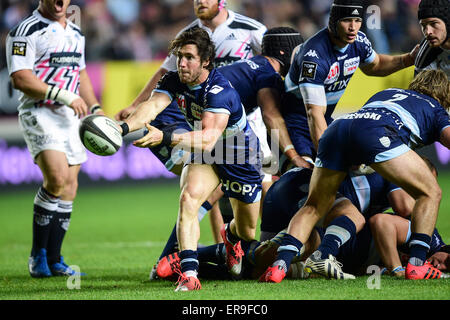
x,y
219,85
28,26
239,21
426,55
75,28
194,24
316,47
361,37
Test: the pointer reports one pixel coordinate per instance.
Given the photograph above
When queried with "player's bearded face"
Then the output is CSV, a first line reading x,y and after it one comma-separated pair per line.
x,y
347,29
189,65
434,30
55,8
206,9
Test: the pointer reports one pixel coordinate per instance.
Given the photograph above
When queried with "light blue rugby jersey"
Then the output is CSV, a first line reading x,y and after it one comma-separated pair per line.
x,y
319,63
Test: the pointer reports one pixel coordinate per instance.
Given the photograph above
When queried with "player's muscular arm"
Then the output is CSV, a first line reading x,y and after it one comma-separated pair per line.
x,y
213,125
316,122
384,64
147,111
143,95
27,82
401,202
268,99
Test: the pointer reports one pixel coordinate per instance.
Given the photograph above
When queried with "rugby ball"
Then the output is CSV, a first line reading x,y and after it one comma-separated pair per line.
x,y
100,135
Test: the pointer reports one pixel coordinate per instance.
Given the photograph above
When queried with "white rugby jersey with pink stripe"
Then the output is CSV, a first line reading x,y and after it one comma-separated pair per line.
x,y
55,54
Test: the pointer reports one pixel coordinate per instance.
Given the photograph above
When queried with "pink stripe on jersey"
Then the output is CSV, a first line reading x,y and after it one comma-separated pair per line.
x,y
238,52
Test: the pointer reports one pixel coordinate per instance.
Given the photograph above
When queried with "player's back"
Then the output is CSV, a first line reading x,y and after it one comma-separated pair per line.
x,y
249,76
422,117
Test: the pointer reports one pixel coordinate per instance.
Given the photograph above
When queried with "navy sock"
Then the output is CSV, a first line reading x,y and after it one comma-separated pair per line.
x,y
45,205
172,243
188,260
419,244
213,253
233,239
290,247
59,227
337,233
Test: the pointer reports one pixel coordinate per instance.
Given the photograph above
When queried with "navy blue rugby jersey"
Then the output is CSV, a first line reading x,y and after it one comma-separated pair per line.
x,y
249,76
320,63
418,119
369,193
213,95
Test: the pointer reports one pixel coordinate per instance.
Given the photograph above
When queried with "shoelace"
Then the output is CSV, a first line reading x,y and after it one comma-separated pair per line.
x,y
336,263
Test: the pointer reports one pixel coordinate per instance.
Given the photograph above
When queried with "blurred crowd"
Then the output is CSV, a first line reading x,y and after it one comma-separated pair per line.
x,y
141,29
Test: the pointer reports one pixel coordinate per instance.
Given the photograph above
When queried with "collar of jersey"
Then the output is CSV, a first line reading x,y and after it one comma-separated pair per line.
x,y
39,16
226,23
341,50
195,87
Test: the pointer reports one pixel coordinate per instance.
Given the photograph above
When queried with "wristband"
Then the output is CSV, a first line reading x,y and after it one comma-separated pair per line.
x,y
167,138
125,129
60,95
288,147
95,108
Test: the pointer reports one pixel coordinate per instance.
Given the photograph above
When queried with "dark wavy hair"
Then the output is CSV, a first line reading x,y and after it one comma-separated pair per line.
x,y
200,38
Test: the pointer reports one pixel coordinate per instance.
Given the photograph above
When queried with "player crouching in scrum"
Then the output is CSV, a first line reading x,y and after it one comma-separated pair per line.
x,y
393,123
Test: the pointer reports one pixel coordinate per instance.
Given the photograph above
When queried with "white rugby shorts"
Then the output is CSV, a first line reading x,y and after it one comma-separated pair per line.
x,y
52,129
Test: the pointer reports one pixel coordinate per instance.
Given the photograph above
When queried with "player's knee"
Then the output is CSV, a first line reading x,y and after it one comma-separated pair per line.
x,y
189,203
380,221
246,232
56,184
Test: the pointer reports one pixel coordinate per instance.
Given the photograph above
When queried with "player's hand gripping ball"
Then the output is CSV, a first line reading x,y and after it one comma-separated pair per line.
x,y
100,135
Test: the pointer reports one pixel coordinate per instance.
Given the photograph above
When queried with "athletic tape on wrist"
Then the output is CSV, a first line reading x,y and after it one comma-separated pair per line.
x,y
60,95
125,129
95,108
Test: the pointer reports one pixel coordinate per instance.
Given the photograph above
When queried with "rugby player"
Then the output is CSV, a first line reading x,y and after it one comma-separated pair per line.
x,y
383,134
46,62
434,53
224,149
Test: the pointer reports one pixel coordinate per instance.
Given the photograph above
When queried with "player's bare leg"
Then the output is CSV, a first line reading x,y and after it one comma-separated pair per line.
x,y
410,172
198,181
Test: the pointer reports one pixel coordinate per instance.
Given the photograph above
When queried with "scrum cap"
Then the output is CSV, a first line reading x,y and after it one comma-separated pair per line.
x,y
342,9
279,43
435,9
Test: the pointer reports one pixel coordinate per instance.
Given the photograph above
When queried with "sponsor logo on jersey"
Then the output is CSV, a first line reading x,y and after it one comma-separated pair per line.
x,y
196,111
361,115
385,141
237,187
312,53
342,57
333,74
65,59
231,37
350,66
19,48
309,69
216,89
181,101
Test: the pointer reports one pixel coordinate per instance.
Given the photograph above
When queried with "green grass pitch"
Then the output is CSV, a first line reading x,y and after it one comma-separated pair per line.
x,y
117,233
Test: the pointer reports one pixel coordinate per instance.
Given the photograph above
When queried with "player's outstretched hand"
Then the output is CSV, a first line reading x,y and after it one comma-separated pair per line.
x,y
123,114
79,107
152,138
298,161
